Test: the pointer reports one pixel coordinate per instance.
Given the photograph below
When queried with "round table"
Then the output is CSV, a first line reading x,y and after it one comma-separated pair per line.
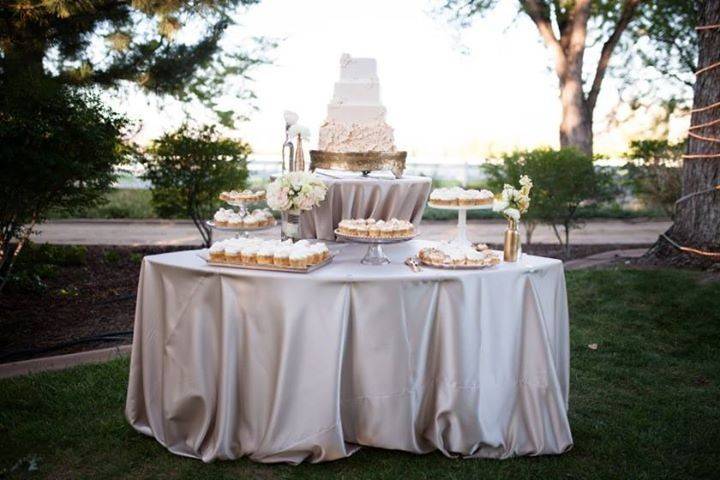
x,y
284,367
351,195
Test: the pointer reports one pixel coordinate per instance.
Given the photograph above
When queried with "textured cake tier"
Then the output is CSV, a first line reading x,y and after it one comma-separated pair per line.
x,y
357,68
357,137
349,114
365,92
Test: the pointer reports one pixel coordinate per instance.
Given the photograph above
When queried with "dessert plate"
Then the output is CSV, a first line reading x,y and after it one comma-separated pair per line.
x,y
460,207
377,240
268,268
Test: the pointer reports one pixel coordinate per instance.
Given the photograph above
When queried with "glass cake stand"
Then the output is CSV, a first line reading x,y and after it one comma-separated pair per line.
x,y
461,239
374,254
244,231
241,205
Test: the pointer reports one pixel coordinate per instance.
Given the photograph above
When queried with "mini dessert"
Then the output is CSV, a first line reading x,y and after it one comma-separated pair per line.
x,y
232,254
234,221
456,196
266,255
245,196
299,258
249,254
221,217
371,228
282,257
217,252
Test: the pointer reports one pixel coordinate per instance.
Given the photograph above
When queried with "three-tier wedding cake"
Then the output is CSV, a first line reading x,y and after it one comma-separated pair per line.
x,y
355,116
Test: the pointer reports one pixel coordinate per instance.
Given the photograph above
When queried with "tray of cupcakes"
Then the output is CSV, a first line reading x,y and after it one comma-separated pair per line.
x,y
240,198
270,255
452,257
369,230
457,198
228,220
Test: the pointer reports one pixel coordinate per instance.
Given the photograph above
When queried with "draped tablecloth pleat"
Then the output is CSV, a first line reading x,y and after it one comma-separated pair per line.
x,y
290,368
354,196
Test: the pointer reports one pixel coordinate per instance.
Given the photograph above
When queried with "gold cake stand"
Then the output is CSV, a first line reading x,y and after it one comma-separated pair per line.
x,y
364,162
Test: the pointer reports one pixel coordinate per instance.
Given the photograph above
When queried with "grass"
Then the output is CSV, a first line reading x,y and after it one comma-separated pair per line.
x,y
644,405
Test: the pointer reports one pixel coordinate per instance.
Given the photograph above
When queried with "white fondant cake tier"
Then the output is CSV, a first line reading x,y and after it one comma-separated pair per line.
x,y
366,92
357,68
356,113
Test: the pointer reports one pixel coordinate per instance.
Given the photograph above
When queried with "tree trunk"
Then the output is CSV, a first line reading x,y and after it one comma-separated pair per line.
x,y
697,217
576,125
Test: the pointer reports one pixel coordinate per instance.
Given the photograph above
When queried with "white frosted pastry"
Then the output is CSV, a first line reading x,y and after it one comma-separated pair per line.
x,y
356,117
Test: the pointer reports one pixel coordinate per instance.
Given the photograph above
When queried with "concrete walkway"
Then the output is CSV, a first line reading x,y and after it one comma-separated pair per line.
x,y
164,232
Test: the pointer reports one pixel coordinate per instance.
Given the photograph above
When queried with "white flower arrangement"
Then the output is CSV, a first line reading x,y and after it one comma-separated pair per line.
x,y
513,202
296,191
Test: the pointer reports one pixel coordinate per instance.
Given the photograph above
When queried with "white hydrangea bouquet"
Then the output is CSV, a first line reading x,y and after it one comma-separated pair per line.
x,y
514,202
295,191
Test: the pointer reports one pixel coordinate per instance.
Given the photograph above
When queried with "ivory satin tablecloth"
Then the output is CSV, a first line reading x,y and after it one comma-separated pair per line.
x,y
284,367
377,196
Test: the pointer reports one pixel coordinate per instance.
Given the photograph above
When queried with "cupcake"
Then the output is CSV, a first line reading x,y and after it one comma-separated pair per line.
x,y
232,254
217,252
324,251
486,197
266,255
250,222
386,231
316,254
221,217
373,231
249,254
282,257
234,221
299,258
361,229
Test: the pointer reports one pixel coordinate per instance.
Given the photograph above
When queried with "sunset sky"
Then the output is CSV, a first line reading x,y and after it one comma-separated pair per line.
x,y
450,93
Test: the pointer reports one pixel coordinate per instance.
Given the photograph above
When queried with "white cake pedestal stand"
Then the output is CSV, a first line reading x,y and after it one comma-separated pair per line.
x,y
374,254
461,239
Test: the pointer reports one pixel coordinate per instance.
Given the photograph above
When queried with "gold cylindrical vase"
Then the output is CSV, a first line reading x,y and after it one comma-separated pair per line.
x,y
511,251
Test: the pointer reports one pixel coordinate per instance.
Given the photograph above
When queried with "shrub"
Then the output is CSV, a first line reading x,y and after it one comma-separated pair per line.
x,y
563,180
57,151
189,168
40,262
654,172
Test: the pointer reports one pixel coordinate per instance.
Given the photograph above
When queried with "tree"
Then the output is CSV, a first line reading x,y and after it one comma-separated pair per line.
x,y
564,27
58,38
189,168
68,144
697,218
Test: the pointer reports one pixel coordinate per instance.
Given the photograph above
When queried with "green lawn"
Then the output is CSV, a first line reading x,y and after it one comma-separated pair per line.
x,y
645,404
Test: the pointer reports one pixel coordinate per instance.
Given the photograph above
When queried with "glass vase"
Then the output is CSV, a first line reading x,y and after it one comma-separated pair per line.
x,y
290,225
511,250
